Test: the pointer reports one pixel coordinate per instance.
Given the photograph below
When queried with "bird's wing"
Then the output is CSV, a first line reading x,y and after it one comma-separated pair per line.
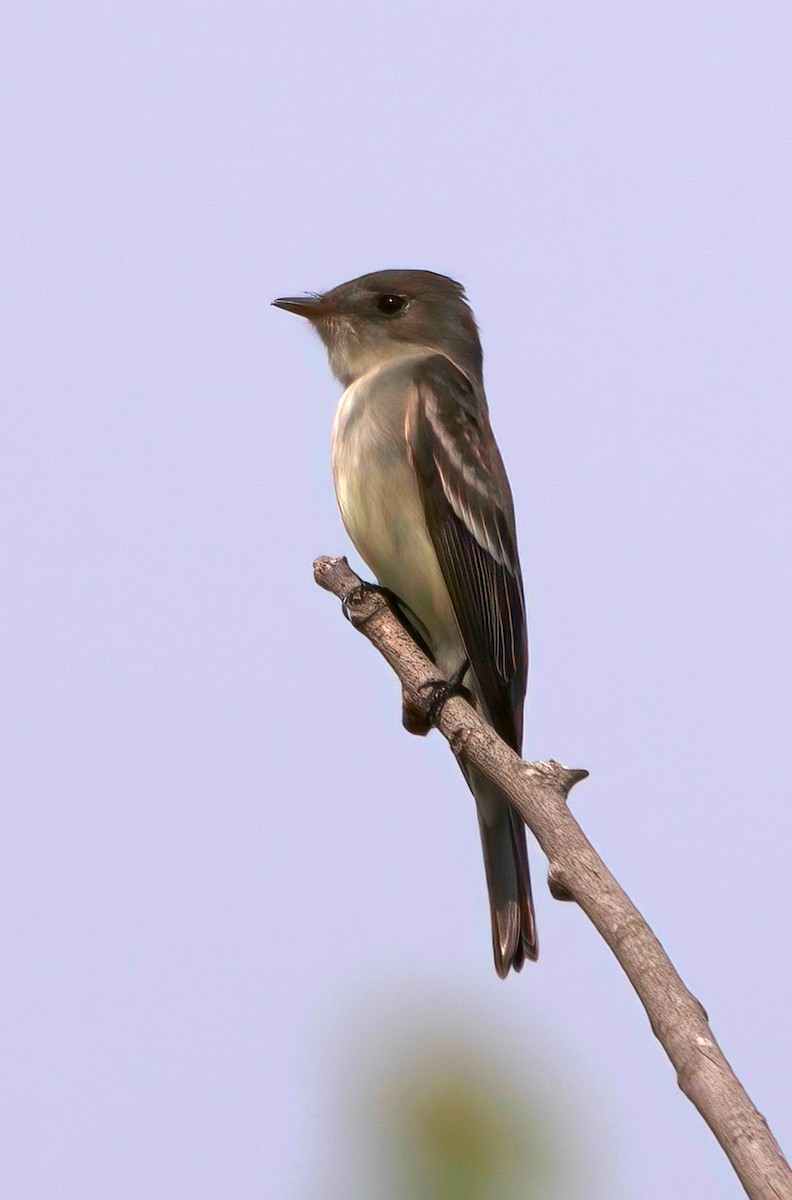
x,y
470,517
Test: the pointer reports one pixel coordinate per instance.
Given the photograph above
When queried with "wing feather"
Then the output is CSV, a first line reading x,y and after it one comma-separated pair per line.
x,y
470,517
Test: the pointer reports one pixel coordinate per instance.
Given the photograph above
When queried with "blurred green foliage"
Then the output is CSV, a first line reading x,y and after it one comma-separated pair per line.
x,y
438,1112
461,1128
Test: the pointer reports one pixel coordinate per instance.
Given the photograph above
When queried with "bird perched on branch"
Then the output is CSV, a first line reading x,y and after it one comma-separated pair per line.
x,y
425,498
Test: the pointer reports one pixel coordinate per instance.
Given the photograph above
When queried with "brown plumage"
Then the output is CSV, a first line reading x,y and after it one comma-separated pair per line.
x,y
425,498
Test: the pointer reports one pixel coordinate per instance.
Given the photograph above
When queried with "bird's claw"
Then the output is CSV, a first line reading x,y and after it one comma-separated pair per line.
x,y
358,594
442,690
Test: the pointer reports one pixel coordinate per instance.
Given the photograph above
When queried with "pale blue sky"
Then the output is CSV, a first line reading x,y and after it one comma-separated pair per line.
x,y
219,851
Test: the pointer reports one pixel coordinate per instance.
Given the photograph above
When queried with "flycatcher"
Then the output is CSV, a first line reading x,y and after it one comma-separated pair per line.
x,y
425,498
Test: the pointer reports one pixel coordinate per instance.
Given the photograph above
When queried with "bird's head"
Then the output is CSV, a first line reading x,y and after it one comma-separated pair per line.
x,y
389,314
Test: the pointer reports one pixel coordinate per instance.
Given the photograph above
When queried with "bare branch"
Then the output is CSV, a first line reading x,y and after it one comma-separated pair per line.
x,y
539,793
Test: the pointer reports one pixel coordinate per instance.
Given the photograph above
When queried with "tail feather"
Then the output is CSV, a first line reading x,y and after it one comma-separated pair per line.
x,y
530,941
508,879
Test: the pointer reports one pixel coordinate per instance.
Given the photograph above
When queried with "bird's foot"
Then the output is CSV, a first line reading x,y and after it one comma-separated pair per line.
x,y
441,690
358,594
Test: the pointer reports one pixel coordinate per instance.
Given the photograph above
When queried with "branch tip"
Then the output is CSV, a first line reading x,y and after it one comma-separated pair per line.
x,y
324,568
557,886
569,775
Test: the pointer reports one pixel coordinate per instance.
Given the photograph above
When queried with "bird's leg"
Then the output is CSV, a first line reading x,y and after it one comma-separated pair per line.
x,y
441,690
359,593
414,719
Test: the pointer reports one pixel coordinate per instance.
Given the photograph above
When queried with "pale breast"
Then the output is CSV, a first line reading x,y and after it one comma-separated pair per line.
x,y
380,502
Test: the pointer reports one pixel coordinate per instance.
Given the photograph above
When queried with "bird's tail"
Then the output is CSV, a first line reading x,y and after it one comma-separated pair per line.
x,y
508,878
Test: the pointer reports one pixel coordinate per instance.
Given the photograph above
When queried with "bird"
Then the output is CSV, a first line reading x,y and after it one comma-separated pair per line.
x,y
425,498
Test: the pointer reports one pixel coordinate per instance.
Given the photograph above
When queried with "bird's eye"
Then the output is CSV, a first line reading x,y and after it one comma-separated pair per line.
x,y
389,304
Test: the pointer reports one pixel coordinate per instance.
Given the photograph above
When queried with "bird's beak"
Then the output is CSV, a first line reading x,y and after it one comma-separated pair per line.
x,y
313,308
